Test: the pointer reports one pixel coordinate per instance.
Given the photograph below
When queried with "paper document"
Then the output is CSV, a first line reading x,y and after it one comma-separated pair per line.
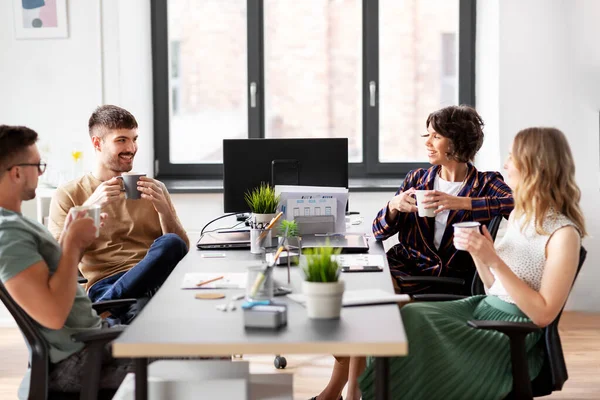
x,y
309,206
313,201
360,260
362,297
231,280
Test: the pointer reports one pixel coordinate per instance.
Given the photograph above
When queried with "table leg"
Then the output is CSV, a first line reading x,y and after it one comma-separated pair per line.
x,y
141,378
382,378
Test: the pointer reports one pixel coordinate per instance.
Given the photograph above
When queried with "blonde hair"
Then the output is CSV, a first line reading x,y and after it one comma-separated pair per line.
x,y
545,162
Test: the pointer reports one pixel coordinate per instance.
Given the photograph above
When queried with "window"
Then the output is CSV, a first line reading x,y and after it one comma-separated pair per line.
x,y
367,70
412,65
313,71
175,81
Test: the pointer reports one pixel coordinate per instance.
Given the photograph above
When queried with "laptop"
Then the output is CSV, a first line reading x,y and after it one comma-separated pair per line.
x,y
224,240
348,242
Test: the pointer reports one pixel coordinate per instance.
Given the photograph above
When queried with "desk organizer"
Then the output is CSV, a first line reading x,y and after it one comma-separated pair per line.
x,y
270,316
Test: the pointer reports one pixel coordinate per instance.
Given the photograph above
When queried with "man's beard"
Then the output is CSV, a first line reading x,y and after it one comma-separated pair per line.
x,y
115,165
28,194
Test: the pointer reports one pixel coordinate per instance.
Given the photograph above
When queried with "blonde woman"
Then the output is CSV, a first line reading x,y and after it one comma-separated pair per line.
x,y
528,276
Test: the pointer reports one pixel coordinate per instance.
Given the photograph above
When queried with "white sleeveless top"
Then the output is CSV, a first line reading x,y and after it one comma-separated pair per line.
x,y
524,251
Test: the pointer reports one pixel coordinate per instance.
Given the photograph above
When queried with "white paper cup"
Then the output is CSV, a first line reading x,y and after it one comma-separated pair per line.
x,y
92,212
423,212
464,226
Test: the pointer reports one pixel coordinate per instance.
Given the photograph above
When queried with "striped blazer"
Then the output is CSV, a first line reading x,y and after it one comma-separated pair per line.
x,y
415,254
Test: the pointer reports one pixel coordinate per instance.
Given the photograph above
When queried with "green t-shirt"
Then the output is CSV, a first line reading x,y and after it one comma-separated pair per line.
x,y
24,242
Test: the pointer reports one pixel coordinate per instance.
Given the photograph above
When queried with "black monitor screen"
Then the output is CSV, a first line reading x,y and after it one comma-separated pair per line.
x,y
306,162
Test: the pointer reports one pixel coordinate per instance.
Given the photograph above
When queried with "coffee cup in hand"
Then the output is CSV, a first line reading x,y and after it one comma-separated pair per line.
x,y
130,186
464,226
91,211
423,212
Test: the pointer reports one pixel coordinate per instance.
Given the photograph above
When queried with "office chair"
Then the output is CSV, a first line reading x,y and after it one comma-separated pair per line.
x,y
40,365
457,286
554,370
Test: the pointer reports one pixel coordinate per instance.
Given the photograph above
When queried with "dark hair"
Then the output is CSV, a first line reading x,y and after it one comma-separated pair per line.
x,y
14,141
110,117
463,126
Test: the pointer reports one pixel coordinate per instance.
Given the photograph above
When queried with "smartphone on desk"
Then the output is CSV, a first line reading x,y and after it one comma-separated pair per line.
x,y
362,268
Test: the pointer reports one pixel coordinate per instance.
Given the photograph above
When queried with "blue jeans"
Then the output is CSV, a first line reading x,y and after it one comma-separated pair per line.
x,y
144,279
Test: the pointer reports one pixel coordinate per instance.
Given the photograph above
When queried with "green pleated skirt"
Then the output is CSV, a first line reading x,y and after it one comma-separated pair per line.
x,y
448,359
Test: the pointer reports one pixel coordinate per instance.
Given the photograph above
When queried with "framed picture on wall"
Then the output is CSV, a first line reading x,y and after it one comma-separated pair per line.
x,y
40,19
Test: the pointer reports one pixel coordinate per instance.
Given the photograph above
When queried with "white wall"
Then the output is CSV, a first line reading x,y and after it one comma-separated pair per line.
x,y
52,85
538,63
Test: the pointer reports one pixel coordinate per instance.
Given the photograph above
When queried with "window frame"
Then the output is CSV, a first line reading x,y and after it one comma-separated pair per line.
x,y
370,167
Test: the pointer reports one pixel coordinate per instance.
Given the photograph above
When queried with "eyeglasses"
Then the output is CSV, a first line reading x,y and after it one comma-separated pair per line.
x,y
41,166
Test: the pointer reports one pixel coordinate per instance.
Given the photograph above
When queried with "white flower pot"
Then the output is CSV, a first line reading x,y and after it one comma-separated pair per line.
x,y
323,300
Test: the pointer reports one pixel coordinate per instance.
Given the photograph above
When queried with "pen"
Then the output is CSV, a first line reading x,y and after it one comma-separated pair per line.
x,y
209,281
269,226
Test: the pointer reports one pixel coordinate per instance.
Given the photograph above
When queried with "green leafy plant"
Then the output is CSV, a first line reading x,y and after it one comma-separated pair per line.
x,y
320,264
262,200
291,227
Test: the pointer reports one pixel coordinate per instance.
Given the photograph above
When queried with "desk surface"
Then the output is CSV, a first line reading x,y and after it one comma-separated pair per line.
x,y
174,323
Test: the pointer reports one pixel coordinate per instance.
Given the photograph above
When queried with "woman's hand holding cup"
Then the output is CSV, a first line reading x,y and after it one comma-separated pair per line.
x,y
480,245
403,202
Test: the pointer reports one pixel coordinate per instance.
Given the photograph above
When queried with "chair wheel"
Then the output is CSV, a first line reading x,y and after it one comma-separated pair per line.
x,y
280,362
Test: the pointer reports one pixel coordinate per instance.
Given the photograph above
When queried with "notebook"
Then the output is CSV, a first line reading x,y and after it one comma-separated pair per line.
x,y
348,242
224,240
361,297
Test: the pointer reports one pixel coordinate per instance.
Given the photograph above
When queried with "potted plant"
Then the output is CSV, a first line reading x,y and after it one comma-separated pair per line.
x,y
263,204
322,287
292,242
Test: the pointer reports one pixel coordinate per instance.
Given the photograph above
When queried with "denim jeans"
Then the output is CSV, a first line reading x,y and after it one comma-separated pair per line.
x,y
144,279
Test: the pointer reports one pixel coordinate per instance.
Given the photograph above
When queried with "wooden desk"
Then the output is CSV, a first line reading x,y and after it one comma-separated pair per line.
x,y
175,324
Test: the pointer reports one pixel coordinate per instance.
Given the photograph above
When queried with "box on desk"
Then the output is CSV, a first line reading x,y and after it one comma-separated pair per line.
x,y
271,316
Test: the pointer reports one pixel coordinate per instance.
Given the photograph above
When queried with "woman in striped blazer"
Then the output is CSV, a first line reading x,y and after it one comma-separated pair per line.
x,y
457,192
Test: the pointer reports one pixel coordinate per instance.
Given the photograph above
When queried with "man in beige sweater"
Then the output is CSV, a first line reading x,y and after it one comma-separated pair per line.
x,y
143,239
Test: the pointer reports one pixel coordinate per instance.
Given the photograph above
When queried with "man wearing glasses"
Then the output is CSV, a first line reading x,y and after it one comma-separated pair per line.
x,y
40,273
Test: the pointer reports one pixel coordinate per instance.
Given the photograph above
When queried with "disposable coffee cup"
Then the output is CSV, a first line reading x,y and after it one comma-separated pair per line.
x,y
464,226
423,212
92,212
130,181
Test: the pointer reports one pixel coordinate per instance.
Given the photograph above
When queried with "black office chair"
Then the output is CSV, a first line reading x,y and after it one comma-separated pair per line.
x,y
554,370
456,287
40,365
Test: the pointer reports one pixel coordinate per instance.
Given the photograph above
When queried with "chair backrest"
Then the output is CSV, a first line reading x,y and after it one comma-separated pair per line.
x,y
554,353
477,285
37,345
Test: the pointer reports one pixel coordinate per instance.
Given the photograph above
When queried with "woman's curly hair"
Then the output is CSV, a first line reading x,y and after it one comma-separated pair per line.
x,y
463,126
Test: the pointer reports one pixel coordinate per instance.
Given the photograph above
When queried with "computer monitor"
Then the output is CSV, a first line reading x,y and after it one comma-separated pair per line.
x,y
306,162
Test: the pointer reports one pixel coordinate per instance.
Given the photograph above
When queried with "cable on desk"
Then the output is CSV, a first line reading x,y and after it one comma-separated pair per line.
x,y
216,219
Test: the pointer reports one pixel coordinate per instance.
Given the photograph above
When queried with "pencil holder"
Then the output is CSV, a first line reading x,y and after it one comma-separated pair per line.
x,y
259,239
264,289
